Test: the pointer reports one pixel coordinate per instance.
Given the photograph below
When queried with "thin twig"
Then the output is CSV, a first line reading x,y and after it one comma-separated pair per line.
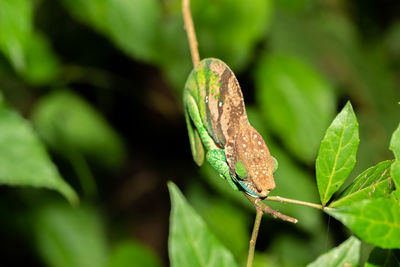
x,y
191,33
254,236
276,214
294,201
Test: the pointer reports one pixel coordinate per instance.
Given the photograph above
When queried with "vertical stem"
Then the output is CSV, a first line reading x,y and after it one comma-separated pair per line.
x,y
254,235
191,33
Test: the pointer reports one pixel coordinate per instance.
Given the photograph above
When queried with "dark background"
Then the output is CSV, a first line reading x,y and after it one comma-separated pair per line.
x,y
124,63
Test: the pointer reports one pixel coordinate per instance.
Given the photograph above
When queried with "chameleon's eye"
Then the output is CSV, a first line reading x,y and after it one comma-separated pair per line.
x,y
240,170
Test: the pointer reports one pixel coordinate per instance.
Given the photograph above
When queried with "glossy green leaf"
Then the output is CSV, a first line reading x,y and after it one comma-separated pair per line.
x,y
67,122
67,236
375,221
133,253
23,158
347,254
395,143
28,51
337,153
373,183
190,242
296,100
383,258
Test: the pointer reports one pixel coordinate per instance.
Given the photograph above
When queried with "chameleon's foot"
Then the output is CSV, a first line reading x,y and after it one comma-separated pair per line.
x,y
217,160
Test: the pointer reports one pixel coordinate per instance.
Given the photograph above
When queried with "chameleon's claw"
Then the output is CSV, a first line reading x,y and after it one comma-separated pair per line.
x,y
247,190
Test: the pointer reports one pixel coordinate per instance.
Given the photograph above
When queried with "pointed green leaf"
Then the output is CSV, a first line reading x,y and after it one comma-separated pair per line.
x,y
372,183
23,158
133,253
70,236
375,221
383,258
337,153
190,241
395,143
347,254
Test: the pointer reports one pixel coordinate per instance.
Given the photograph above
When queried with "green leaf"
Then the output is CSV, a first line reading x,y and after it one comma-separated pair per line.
x,y
133,253
69,236
383,258
190,241
395,143
28,51
23,158
67,122
373,183
347,254
337,153
375,221
297,102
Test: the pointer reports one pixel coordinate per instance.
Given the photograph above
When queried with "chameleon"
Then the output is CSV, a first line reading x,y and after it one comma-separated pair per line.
x,y
218,128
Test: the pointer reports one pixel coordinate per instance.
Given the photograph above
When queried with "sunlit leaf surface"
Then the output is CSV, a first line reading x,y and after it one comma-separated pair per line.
x,y
373,183
337,153
375,221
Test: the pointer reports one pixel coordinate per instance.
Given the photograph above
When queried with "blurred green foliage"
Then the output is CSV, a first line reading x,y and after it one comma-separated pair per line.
x,y
23,158
347,254
190,242
68,236
127,252
101,83
59,118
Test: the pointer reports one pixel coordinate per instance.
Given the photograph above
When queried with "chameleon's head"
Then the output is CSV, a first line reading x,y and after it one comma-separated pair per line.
x,y
254,165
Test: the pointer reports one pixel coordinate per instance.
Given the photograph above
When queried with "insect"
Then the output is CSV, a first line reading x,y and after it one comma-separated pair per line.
x,y
218,127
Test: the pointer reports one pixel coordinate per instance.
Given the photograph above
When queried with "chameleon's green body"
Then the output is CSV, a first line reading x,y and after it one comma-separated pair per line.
x,y
217,121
